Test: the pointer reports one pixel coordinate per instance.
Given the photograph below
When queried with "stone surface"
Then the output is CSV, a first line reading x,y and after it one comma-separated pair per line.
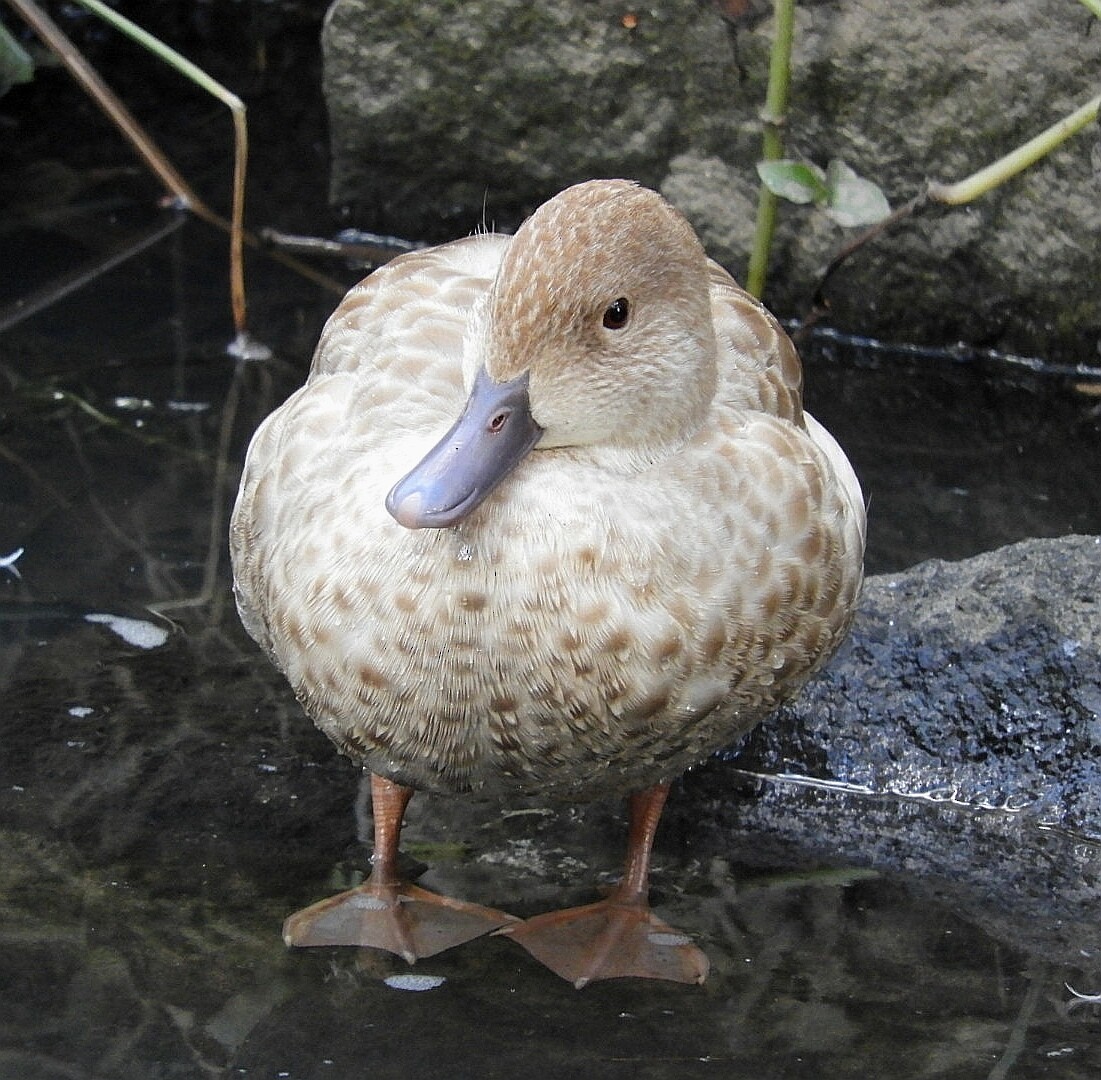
x,y
440,111
446,115
976,681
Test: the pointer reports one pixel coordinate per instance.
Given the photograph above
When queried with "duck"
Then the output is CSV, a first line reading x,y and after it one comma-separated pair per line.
x,y
547,518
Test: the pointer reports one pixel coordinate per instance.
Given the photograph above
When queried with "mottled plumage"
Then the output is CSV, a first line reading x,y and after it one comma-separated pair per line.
x,y
682,548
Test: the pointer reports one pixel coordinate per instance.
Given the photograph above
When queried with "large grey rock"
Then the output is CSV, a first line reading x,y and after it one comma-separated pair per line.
x,y
439,114
444,113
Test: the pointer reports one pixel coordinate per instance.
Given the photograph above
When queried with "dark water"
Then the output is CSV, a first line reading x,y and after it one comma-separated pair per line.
x,y
162,808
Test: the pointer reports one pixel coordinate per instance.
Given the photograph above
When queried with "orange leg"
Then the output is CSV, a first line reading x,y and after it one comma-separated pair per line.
x,y
386,912
620,935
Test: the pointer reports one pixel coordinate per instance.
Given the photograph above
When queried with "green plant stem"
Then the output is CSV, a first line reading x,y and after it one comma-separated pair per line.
x,y
774,116
972,187
169,55
979,183
1093,6
762,242
237,107
102,94
779,67
155,158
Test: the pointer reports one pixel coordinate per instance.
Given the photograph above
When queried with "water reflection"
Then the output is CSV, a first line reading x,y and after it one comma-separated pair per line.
x,y
163,808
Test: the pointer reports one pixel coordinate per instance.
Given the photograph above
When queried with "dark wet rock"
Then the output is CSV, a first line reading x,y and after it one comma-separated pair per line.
x,y
955,742
445,113
976,682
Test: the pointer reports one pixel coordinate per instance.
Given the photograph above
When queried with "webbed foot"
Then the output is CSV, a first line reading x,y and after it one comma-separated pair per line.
x,y
401,918
610,939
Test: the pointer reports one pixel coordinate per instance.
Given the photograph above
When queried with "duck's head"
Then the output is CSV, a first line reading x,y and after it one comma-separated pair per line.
x,y
597,332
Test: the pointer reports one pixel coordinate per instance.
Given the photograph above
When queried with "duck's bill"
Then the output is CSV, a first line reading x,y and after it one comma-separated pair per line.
x,y
487,442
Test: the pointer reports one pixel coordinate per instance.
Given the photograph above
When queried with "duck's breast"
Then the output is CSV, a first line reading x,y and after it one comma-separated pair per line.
x,y
386,379
579,634
586,630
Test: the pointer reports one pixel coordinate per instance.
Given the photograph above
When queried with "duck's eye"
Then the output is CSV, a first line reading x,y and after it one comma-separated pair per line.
x,y
615,315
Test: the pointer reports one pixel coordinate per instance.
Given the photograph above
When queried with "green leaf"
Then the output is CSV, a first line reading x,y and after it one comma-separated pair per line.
x,y
16,66
853,200
796,181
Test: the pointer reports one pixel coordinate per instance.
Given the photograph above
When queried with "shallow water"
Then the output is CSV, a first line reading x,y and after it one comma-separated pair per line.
x,y
162,808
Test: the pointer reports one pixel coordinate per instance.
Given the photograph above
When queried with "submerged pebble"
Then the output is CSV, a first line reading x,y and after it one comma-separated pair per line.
x,y
409,981
133,631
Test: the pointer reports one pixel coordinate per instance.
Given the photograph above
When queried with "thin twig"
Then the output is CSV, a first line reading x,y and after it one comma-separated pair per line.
x,y
49,294
957,194
240,141
158,163
106,99
820,305
36,478
367,248
1015,1044
218,503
